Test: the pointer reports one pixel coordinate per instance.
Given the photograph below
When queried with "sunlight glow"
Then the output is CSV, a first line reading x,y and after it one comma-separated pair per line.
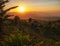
x,y
21,9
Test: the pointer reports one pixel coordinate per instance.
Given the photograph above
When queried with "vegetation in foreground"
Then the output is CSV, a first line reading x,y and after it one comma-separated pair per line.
x,y
17,32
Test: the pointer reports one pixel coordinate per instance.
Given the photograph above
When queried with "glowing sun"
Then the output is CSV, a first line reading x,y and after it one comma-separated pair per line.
x,y
21,9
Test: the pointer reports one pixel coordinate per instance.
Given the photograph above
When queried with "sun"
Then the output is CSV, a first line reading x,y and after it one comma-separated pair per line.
x,y
21,9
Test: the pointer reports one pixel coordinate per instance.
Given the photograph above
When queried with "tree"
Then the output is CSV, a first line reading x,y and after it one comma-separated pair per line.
x,y
2,5
30,20
3,12
16,20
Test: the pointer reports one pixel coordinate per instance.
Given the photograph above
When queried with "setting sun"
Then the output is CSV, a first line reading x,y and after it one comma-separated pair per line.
x,y
21,9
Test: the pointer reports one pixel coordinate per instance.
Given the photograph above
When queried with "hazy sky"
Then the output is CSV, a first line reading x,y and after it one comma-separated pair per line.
x,y
37,5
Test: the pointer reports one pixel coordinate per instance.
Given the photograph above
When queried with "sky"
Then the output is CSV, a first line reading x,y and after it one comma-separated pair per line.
x,y
36,5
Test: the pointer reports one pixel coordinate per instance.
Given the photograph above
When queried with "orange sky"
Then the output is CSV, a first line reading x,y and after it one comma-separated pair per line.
x,y
35,5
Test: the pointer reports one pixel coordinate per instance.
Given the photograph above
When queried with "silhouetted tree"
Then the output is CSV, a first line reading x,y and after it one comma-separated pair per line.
x,y
2,5
30,20
16,20
3,12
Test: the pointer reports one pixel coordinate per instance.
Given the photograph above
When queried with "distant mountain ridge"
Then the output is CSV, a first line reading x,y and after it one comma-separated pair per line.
x,y
36,15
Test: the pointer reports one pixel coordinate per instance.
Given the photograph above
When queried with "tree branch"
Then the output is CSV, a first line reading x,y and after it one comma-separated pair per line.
x,y
8,10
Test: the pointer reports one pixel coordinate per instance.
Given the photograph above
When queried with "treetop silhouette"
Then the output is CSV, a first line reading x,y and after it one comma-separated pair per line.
x,y
2,5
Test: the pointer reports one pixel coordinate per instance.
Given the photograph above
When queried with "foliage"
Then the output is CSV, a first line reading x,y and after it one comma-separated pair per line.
x,y
17,32
2,11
